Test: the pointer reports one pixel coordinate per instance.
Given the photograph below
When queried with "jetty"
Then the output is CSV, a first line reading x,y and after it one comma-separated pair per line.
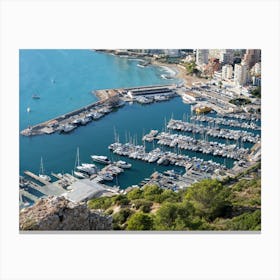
x,y
34,176
110,99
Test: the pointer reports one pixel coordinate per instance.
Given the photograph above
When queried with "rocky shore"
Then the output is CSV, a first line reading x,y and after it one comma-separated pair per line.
x,y
58,213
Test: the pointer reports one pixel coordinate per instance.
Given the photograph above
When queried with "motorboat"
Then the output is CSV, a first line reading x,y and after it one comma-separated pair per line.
x,y
123,164
100,159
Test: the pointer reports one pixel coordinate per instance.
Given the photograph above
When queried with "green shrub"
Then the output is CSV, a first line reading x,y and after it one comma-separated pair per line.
x,y
140,221
135,193
100,203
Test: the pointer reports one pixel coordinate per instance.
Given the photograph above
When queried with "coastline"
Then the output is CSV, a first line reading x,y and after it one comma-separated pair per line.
x,y
180,71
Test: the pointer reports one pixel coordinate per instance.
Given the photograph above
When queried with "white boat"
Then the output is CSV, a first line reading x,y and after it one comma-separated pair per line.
x,y
80,175
88,168
106,176
123,164
67,128
85,120
42,174
101,159
28,109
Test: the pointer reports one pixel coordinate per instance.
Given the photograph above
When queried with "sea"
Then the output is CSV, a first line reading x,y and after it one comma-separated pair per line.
x,y
64,80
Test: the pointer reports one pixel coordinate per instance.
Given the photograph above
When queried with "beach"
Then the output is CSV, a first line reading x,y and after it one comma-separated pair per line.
x,y
180,72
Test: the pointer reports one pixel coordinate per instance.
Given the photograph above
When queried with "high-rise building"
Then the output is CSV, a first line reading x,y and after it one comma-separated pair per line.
x,y
214,53
172,52
251,57
241,74
202,56
227,71
226,56
256,69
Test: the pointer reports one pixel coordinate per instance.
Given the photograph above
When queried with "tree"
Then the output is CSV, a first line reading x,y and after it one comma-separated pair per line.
x,y
256,92
246,221
176,216
152,192
122,216
100,203
121,200
135,193
166,216
209,199
140,221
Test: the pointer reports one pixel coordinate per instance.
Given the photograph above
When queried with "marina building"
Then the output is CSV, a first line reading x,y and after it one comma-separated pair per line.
x,y
150,91
241,74
202,56
227,71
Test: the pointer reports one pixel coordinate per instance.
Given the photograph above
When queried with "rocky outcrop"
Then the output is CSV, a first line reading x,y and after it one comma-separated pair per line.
x,y
58,213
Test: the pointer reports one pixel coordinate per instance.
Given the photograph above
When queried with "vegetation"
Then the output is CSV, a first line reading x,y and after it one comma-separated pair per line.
x,y
256,92
191,68
240,101
231,204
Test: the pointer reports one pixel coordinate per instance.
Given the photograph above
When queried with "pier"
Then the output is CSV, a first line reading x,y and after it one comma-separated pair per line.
x,y
109,99
34,176
215,131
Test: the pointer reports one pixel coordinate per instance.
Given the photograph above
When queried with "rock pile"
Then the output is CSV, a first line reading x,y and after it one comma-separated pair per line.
x,y
58,213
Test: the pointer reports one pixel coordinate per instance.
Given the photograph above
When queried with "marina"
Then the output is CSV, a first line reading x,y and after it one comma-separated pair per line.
x,y
110,99
215,131
227,122
211,146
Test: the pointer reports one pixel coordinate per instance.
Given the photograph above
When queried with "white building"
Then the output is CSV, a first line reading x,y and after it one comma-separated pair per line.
x,y
256,69
202,56
172,52
227,71
226,56
241,74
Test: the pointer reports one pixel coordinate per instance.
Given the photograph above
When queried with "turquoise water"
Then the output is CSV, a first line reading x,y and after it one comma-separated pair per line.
x,y
64,80
75,74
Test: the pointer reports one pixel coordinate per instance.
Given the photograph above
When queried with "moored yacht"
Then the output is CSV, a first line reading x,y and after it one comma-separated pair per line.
x,y
80,175
123,164
42,174
88,168
100,159
106,176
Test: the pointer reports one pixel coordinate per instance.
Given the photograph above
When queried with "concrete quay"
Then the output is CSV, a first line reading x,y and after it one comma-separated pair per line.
x,y
109,99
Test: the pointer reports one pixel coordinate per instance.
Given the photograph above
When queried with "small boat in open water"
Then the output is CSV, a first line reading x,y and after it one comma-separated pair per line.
x,y
36,96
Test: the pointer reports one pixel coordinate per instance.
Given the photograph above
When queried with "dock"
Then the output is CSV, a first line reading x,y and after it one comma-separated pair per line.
x,y
29,195
35,177
109,99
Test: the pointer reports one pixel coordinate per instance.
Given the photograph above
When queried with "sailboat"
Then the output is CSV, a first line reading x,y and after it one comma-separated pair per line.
x,y
82,171
42,174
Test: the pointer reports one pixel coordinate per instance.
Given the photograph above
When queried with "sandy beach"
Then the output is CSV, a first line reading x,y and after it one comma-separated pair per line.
x,y
180,72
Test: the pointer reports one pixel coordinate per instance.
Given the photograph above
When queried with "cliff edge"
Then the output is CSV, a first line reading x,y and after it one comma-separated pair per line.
x,y
58,213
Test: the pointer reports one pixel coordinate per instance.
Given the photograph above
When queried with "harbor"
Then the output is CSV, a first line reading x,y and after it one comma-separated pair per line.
x,y
144,146
110,99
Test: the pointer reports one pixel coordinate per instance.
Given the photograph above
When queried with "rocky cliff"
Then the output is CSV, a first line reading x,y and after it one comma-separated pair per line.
x,y
58,213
